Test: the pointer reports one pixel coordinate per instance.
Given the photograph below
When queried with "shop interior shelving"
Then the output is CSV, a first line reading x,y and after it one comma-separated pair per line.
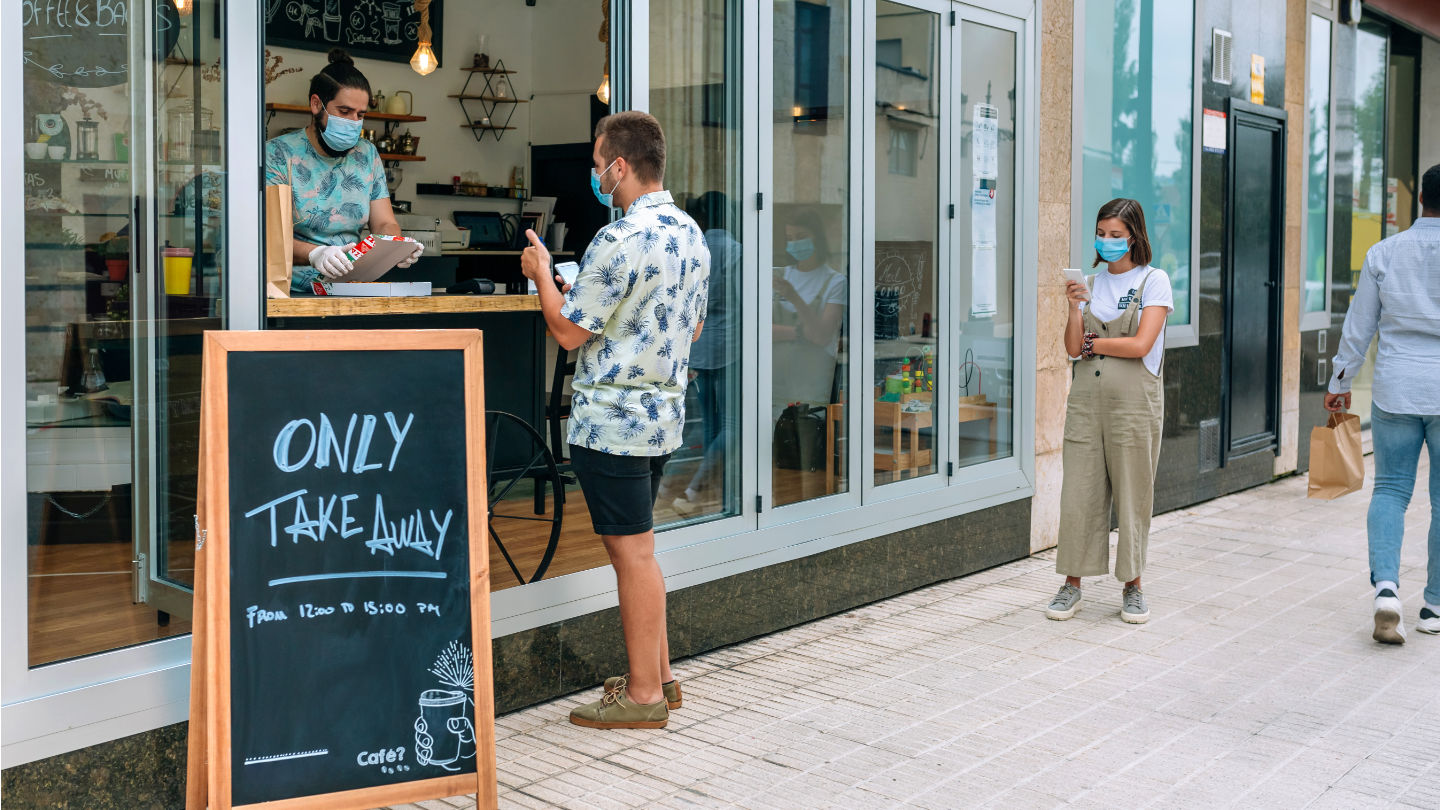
x,y
496,92
389,119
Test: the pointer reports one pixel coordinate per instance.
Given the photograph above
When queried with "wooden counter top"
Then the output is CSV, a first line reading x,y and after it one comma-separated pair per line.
x,y
334,306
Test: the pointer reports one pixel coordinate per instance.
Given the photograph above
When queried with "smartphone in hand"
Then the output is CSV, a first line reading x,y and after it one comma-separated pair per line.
x,y
569,271
1077,276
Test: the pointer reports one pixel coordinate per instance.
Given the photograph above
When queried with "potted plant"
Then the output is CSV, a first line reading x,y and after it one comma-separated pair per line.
x,y
116,250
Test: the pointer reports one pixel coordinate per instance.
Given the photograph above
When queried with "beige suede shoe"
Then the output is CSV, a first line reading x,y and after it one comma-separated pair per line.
x,y
616,710
673,698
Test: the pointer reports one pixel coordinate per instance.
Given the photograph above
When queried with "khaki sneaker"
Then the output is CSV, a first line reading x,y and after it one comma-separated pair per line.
x,y
616,710
673,698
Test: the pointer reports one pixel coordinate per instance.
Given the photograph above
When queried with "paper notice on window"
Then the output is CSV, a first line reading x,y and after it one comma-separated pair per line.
x,y
982,217
1212,132
985,146
982,281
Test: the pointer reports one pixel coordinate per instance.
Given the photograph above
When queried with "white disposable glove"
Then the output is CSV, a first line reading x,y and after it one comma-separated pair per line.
x,y
331,261
413,257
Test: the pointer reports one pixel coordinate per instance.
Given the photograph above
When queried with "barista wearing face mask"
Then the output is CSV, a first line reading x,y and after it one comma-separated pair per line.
x,y
810,299
336,178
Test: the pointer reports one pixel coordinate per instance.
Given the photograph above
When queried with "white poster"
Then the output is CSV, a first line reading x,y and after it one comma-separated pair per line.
x,y
986,141
982,217
982,281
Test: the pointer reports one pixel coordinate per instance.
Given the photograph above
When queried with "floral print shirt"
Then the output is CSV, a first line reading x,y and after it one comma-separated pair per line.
x,y
643,288
331,196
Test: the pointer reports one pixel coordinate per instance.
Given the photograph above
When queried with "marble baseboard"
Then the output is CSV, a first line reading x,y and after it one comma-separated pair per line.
x,y
147,771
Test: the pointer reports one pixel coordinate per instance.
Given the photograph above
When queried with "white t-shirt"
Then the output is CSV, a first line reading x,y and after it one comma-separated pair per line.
x,y
1112,294
818,288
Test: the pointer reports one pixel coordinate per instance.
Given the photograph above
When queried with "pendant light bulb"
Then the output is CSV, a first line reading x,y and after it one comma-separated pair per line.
x,y
424,61
185,7
603,91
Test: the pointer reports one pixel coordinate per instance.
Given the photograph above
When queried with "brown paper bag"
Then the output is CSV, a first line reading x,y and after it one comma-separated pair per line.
x,y
279,241
1337,464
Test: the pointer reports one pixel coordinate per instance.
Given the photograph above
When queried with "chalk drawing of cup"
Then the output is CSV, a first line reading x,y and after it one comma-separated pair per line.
x,y
390,13
439,737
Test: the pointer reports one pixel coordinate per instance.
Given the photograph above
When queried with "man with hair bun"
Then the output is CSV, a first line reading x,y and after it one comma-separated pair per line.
x,y
638,303
336,178
1398,298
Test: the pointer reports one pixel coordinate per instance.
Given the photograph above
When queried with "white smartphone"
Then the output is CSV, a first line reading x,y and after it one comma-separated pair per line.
x,y
568,271
1077,276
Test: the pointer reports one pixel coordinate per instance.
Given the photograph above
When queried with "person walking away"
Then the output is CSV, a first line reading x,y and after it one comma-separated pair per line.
x,y
1399,298
1113,419
637,304
712,358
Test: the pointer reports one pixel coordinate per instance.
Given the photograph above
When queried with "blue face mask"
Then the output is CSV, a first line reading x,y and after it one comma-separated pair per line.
x,y
341,133
800,249
1111,249
607,200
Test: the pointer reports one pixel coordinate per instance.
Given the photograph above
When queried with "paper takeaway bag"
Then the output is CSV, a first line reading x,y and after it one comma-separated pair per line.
x,y
279,241
1337,466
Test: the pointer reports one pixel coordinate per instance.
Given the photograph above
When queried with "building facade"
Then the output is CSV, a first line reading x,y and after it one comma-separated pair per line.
x,y
917,172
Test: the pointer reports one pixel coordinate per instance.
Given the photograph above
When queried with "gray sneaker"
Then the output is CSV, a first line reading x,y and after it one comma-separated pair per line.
x,y
1135,610
1065,603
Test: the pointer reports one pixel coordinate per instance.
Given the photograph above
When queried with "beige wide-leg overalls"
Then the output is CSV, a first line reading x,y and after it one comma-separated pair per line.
x,y
1112,448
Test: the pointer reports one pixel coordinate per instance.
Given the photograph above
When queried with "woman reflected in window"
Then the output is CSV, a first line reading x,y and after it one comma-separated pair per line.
x,y
810,300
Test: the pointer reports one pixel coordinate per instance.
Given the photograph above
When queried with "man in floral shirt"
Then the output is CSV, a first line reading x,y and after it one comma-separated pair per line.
x,y
635,308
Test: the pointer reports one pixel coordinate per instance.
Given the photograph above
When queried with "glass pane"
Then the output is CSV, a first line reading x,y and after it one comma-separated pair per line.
x,y
1317,110
183,300
907,222
695,84
986,174
810,278
113,323
1367,200
1137,134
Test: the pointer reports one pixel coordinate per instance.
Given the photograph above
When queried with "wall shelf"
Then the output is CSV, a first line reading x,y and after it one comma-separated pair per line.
x,y
496,93
370,115
389,156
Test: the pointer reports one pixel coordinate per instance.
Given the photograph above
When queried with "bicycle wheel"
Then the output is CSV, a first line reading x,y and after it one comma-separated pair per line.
x,y
516,453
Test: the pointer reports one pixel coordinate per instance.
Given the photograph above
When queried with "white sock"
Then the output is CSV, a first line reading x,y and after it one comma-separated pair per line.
x,y
1385,583
691,494
1433,608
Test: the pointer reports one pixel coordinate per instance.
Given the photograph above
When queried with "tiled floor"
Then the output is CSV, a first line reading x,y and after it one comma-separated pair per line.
x,y
1255,684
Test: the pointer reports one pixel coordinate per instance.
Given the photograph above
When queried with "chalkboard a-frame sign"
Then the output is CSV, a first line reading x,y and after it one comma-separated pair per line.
x,y
342,628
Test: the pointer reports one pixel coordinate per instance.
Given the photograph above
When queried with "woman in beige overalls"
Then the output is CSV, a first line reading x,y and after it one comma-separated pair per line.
x,y
1116,408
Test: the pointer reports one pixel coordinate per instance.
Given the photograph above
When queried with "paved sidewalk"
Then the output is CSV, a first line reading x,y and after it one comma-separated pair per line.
x,y
1255,684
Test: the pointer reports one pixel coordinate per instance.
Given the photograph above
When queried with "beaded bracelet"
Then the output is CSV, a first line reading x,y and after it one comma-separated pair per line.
x,y
1087,349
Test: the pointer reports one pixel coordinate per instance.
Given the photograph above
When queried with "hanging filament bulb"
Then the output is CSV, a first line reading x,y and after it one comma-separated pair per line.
x,y
424,61
603,91
185,7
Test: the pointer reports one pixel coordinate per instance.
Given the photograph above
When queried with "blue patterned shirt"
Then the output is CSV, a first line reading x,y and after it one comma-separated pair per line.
x,y
643,288
331,196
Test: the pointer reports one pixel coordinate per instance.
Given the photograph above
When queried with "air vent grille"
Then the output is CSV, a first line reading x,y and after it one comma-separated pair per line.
x,y
1209,445
1220,71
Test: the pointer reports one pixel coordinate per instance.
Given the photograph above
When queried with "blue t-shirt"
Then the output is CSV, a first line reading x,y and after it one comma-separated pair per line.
x,y
331,196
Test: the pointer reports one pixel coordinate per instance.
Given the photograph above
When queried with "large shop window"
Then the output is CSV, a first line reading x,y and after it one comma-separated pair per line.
x,y
908,359
695,82
811,271
1137,130
988,187
1317,159
124,249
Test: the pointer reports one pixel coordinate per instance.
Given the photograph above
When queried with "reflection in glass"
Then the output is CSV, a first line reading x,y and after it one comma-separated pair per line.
x,y
810,277
907,221
1136,125
1367,200
1317,110
695,82
114,318
986,176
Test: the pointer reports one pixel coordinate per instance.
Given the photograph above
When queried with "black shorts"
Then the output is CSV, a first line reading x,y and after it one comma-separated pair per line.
x,y
620,490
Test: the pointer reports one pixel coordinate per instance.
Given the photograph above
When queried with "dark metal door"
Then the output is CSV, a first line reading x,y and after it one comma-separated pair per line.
x,y
1255,230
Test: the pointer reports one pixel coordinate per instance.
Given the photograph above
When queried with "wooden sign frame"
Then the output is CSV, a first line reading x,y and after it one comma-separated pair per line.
x,y
209,764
